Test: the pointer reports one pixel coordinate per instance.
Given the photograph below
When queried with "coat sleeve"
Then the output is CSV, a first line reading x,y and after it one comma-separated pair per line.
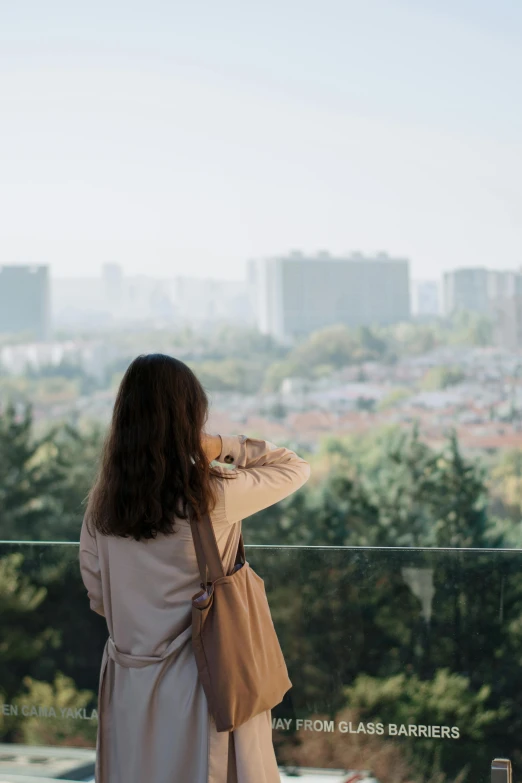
x,y
90,569
264,474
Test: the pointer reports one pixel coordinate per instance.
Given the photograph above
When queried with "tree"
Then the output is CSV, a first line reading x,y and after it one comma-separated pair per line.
x,y
43,481
446,699
229,375
426,497
52,708
442,378
26,477
394,490
19,599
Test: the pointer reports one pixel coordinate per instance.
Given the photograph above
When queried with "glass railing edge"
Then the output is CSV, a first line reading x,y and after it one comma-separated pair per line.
x,y
11,542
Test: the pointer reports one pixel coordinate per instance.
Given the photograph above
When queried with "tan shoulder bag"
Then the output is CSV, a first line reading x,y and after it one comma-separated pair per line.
x,y
239,659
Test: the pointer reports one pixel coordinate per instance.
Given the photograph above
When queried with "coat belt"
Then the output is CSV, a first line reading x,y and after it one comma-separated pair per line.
x,y
140,661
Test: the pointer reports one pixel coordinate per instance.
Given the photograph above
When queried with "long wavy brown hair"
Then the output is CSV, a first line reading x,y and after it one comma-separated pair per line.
x,y
153,466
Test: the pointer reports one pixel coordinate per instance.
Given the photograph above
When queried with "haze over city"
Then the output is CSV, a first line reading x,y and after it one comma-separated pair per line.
x,y
197,136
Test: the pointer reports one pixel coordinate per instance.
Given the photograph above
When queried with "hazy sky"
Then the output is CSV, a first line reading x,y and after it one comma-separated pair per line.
x,y
184,137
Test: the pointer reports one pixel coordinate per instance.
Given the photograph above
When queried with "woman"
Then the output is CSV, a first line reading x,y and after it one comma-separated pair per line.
x,y
139,566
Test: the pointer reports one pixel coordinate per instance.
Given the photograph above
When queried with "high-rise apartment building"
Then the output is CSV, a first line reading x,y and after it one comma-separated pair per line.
x,y
496,294
466,289
295,294
25,301
505,302
504,285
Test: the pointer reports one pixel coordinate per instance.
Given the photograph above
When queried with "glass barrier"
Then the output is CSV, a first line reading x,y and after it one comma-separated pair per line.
x,y
406,663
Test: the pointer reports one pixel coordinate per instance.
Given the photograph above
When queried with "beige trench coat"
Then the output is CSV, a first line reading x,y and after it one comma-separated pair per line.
x,y
154,725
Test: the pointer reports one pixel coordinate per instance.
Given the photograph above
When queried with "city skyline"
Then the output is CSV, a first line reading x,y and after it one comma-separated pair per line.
x,y
95,271
287,296
167,139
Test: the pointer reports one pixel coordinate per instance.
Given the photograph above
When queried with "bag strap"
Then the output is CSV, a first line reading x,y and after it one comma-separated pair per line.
x,y
207,551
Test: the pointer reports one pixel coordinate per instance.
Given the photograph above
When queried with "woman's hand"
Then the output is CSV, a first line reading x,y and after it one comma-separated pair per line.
x,y
211,446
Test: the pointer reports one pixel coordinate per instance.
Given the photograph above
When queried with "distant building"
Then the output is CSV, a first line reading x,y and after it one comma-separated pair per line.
x,y
505,299
80,303
507,322
466,289
496,294
111,299
210,301
425,298
25,301
504,285
295,294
